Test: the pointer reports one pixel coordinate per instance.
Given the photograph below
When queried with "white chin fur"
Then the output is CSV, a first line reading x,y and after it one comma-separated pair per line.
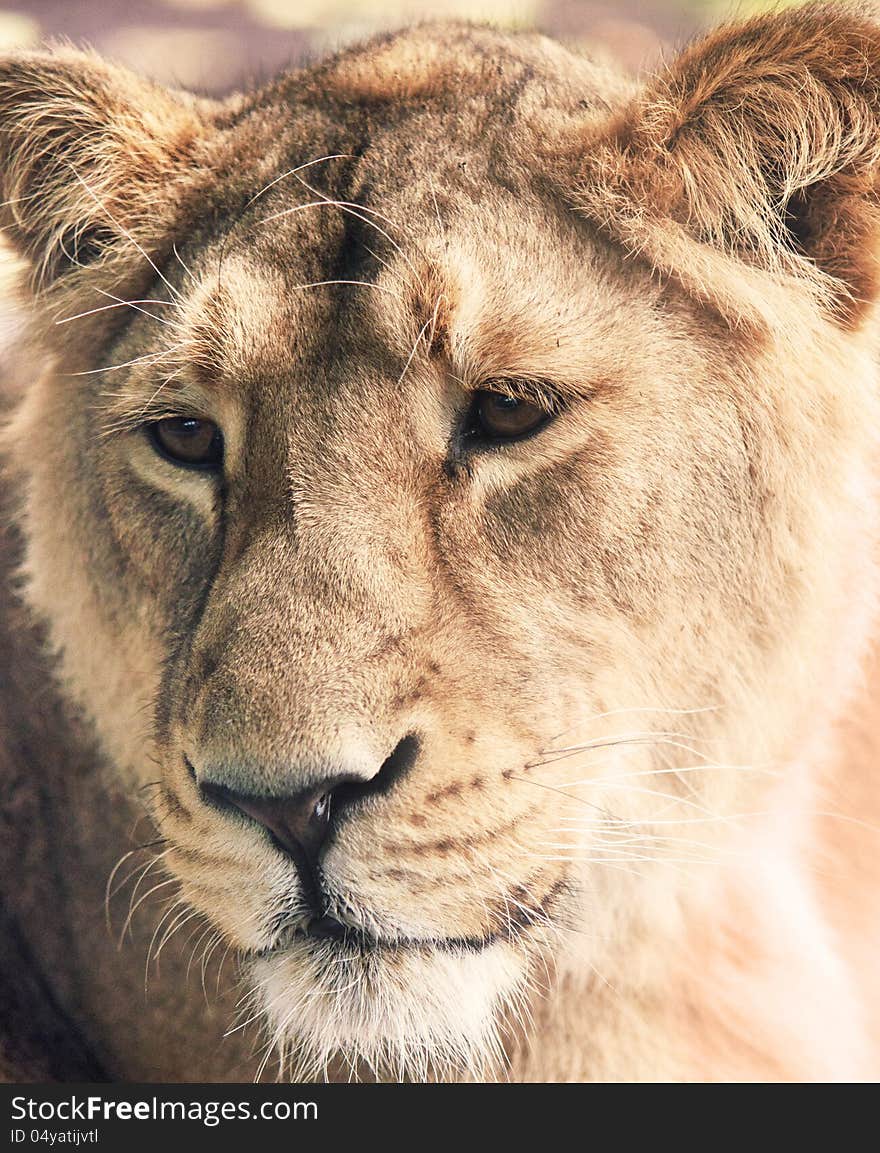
x,y
402,1014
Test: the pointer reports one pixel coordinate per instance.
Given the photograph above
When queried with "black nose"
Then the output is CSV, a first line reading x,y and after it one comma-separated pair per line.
x,y
298,824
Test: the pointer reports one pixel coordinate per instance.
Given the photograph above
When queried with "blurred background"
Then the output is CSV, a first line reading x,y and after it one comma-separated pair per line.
x,y
216,45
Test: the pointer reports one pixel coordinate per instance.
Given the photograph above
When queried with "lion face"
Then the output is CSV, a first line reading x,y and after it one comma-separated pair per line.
x,y
441,567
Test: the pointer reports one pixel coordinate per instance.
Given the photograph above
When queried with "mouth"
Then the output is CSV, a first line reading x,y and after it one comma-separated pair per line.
x,y
351,941
329,936
401,1007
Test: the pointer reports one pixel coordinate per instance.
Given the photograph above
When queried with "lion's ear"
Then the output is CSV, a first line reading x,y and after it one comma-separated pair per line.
x,y
91,159
761,141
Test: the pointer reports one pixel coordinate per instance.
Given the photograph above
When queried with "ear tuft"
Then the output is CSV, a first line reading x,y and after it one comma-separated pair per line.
x,y
90,156
761,141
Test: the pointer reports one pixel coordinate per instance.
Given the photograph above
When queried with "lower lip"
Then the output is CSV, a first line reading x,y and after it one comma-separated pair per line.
x,y
357,943
354,943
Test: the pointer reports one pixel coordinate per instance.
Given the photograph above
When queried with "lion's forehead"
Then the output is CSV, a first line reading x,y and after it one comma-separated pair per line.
x,y
398,186
456,63
345,293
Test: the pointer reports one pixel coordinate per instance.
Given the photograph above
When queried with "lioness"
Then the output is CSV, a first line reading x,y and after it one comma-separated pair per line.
x,y
440,570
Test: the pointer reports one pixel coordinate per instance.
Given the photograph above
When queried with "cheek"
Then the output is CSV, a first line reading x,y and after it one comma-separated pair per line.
x,y
531,556
649,509
163,545
106,630
587,570
113,567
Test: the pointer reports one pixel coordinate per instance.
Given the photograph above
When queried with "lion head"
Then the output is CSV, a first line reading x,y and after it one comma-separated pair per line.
x,y
450,486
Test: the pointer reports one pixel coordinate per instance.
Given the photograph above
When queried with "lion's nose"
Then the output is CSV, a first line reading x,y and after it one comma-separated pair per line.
x,y
298,824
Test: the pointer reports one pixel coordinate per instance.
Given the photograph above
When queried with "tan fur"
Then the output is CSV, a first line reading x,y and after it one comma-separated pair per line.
x,y
637,839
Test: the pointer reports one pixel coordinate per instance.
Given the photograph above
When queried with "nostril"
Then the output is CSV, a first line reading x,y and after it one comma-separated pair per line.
x,y
217,795
298,823
326,928
392,770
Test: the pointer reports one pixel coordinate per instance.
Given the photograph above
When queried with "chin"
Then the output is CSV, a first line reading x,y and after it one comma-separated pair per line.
x,y
407,1012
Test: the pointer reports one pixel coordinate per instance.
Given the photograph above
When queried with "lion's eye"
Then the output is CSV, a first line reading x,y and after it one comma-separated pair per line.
x,y
499,416
188,441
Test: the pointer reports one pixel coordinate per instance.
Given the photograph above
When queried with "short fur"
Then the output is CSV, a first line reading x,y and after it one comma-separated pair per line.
x,y
634,836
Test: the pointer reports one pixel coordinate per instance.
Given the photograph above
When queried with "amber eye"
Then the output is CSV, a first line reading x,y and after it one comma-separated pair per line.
x,y
188,441
499,416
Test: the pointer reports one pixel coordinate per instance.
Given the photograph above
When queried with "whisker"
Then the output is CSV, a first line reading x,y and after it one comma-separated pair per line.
x,y
617,861
125,233
415,348
207,931
134,908
120,304
294,171
186,916
357,283
136,306
670,798
147,358
623,739
183,265
173,906
207,953
610,780
619,822
377,257
351,209
626,837
871,828
152,400
109,891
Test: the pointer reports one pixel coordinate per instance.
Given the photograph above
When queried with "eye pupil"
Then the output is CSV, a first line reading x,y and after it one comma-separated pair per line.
x,y
499,415
188,441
